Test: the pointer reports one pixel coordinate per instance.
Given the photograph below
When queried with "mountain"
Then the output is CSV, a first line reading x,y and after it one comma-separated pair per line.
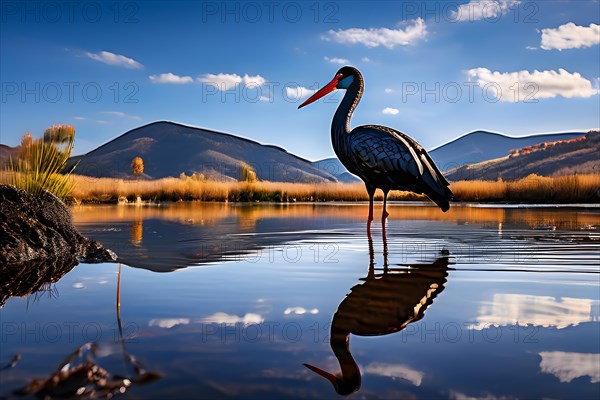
x,y
169,148
6,152
336,168
480,146
560,157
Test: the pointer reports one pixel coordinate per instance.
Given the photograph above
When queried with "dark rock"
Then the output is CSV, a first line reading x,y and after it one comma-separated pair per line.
x,y
22,279
36,229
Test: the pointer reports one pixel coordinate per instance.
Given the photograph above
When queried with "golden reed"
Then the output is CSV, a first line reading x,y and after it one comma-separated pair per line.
x,y
532,189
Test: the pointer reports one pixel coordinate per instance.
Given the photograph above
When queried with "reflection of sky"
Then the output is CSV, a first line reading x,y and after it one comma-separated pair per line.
x,y
546,311
228,319
568,366
299,311
168,322
245,327
401,371
461,396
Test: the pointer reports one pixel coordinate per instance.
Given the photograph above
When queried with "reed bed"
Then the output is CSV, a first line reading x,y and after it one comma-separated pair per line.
x,y
176,189
532,189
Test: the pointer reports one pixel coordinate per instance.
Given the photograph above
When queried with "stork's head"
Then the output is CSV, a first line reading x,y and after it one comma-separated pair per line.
x,y
342,385
345,77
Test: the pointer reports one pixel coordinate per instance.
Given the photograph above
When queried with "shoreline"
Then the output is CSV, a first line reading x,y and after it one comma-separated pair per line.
x,y
395,203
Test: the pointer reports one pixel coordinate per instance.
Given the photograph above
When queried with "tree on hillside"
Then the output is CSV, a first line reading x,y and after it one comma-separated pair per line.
x,y
59,134
137,166
248,174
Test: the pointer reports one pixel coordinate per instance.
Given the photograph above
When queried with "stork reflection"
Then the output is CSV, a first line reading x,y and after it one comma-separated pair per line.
x,y
386,302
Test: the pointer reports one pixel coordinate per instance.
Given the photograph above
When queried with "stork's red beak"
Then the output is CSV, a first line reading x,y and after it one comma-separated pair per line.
x,y
330,377
330,87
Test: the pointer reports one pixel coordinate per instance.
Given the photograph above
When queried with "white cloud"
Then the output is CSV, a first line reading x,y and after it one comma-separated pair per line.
x,y
228,319
530,48
415,31
570,36
170,78
300,311
337,60
80,118
568,366
229,81
117,60
390,111
120,114
253,81
365,59
298,92
115,113
168,322
388,90
221,81
395,371
479,9
546,311
527,86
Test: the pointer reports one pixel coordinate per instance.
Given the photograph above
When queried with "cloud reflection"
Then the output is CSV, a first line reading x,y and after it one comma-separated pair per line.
x,y
229,319
168,322
395,371
568,366
300,311
461,396
546,311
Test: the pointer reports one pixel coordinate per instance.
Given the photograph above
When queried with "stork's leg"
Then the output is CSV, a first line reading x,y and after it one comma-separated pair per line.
x,y
385,252
384,214
371,192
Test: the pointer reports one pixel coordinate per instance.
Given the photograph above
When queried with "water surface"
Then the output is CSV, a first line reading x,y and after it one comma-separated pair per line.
x,y
231,300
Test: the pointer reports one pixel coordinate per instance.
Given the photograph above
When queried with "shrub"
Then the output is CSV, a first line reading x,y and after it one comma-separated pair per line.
x,y
40,163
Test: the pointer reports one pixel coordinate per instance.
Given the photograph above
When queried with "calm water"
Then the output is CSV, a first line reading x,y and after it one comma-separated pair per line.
x,y
231,300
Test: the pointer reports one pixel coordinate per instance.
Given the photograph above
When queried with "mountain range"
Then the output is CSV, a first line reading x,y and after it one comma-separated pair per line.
x,y
169,149
553,158
480,146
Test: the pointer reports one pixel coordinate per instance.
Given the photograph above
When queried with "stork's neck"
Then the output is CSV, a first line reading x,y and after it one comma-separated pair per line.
x,y
340,125
339,342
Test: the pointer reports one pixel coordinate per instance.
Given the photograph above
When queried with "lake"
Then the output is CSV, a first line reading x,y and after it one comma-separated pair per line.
x,y
231,300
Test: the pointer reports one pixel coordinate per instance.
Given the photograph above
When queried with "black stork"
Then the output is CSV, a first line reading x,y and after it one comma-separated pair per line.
x,y
382,157
385,303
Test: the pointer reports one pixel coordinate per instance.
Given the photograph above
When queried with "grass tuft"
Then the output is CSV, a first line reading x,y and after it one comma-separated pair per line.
x,y
40,163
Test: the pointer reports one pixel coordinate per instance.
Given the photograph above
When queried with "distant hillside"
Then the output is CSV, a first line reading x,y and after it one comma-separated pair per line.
x,y
560,157
336,168
6,152
169,148
480,146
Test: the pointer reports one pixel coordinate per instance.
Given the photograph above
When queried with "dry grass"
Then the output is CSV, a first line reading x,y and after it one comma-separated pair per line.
x,y
175,189
566,189
533,189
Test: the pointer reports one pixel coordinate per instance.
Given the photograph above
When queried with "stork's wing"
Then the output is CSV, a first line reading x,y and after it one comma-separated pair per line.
x,y
381,153
392,156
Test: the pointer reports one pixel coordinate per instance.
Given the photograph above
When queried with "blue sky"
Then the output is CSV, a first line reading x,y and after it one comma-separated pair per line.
x,y
434,70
